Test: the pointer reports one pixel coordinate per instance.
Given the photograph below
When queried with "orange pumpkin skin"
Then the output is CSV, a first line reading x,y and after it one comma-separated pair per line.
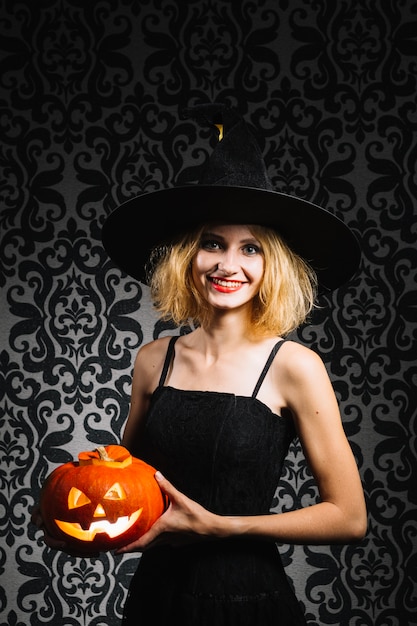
x,y
99,504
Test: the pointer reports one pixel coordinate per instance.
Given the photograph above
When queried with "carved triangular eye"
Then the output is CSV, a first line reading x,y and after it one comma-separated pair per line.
x,y
116,492
77,498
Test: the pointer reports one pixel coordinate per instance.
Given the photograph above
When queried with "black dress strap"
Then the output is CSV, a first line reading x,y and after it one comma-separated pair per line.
x,y
168,359
267,366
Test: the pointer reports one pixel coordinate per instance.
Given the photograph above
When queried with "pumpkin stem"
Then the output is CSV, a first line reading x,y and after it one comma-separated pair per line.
x,y
111,456
103,454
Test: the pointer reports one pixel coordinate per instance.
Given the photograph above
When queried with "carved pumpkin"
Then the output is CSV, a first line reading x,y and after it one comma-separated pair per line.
x,y
105,500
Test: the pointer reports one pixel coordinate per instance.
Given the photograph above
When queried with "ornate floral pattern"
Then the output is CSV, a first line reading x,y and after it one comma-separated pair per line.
x,y
90,94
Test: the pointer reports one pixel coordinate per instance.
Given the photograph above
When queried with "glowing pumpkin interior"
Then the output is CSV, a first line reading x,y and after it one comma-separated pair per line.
x,y
77,498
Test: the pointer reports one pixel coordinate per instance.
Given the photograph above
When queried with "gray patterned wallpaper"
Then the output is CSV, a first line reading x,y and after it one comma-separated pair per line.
x,y
89,98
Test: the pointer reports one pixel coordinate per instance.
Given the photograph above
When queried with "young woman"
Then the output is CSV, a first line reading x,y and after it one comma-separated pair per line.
x,y
215,409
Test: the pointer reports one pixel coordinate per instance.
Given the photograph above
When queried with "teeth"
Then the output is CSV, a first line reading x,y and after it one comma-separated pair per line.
x,y
230,284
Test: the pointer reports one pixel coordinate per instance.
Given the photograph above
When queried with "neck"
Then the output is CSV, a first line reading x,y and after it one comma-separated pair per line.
x,y
226,331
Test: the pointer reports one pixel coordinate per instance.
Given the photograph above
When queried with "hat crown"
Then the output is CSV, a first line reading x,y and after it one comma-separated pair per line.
x,y
237,159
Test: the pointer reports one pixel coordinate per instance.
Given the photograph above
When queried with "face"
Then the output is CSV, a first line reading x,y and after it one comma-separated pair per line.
x,y
229,266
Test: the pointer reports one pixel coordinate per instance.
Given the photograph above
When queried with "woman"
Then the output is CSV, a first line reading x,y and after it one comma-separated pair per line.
x,y
215,409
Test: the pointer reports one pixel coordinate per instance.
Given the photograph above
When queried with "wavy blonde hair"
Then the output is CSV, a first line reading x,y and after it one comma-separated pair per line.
x,y
285,299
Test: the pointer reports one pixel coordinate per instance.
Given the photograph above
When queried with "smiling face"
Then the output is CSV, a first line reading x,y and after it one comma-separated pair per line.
x,y
228,267
108,513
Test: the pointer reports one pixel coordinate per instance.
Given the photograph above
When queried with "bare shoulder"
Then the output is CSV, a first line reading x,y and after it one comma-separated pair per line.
x,y
150,359
300,361
305,383
153,350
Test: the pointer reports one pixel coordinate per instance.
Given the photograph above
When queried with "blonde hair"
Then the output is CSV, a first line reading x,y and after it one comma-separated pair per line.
x,y
285,299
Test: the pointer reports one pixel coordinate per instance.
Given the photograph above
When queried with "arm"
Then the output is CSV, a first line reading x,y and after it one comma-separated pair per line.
x,y
339,517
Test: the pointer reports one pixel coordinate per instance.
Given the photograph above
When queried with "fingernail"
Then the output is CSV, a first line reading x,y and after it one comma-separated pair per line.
x,y
158,475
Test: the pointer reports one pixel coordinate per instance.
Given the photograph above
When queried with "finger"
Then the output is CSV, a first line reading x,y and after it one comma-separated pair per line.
x,y
139,545
134,546
144,541
166,487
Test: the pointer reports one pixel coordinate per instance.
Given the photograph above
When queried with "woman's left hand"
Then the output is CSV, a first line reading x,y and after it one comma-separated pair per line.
x,y
184,522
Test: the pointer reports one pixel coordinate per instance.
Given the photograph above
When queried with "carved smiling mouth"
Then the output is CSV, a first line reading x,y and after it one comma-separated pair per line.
x,y
112,529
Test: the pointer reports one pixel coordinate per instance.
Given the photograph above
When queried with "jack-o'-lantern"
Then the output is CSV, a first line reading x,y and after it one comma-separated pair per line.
x,y
105,500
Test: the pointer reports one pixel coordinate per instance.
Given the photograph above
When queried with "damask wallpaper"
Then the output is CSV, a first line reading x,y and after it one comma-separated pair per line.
x,y
89,116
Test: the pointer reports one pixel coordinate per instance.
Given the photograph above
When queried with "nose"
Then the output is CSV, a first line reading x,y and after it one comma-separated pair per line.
x,y
227,265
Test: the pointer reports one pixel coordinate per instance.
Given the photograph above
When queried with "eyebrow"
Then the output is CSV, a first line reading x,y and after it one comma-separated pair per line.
x,y
208,233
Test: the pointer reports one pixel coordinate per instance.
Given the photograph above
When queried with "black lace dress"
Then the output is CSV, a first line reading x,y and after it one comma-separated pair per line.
x,y
226,452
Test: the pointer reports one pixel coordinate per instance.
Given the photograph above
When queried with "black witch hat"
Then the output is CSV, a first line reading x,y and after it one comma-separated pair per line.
x,y
234,189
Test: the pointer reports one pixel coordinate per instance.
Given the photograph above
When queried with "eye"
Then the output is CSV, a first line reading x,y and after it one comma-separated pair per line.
x,y
251,249
77,498
116,492
209,244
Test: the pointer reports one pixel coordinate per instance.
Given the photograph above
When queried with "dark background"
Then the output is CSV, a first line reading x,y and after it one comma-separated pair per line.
x,y
89,98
